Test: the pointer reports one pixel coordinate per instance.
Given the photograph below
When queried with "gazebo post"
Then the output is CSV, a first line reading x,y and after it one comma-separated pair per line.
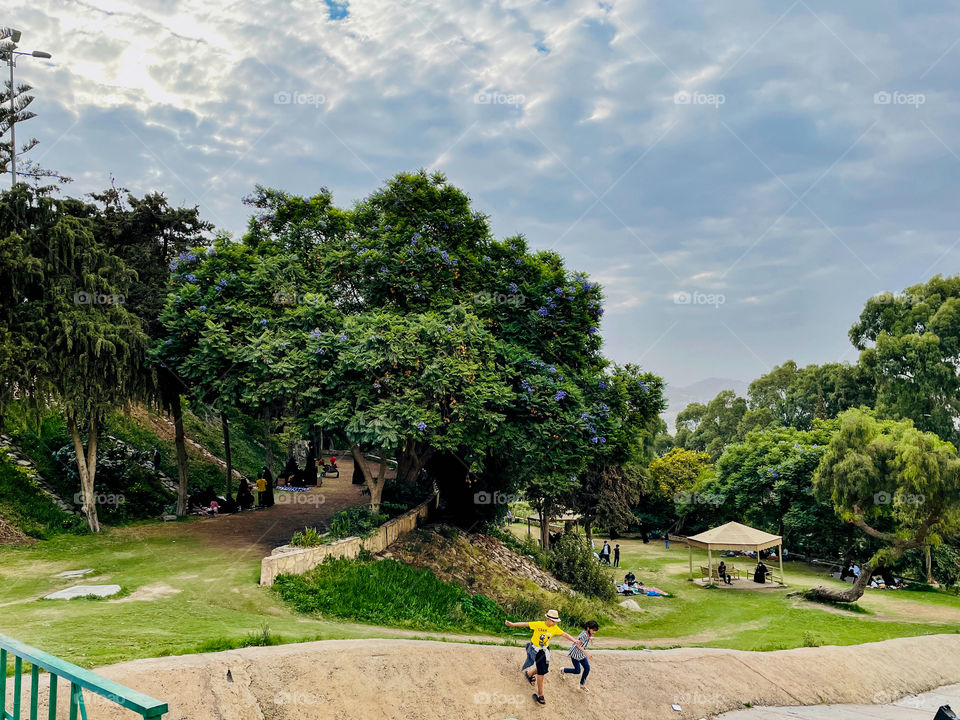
x,y
709,564
690,554
780,555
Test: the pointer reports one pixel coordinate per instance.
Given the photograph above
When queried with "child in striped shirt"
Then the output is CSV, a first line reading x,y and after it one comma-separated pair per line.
x,y
579,655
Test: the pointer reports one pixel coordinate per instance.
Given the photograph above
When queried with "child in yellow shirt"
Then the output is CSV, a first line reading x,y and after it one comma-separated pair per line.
x,y
261,490
538,650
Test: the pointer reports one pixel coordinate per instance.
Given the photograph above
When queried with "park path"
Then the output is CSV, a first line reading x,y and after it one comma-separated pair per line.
x,y
268,528
913,707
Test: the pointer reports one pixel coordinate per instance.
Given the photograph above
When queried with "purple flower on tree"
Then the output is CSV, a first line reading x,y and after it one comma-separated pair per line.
x,y
543,312
512,287
421,426
561,394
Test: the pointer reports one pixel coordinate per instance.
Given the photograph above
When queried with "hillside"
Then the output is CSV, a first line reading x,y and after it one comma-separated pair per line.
x,y
701,392
38,481
401,679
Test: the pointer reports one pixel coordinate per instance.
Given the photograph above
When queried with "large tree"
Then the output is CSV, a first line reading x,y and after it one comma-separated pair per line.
x,y
77,347
897,484
910,347
710,428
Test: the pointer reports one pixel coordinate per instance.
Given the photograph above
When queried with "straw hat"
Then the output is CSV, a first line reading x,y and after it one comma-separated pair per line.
x,y
553,615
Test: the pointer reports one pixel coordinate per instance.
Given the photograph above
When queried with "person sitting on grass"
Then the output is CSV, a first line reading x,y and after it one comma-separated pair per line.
x,y
244,496
579,655
538,650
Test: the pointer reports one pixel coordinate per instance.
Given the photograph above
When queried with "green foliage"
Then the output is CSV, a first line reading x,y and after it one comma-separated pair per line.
x,y
767,481
386,592
355,522
308,537
126,489
710,428
910,348
27,508
571,560
895,482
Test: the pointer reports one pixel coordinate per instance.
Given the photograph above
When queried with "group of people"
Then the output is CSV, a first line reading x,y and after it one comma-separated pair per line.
x,y
537,663
604,554
881,578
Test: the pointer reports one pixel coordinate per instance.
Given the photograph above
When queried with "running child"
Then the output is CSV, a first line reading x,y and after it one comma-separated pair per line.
x,y
538,650
579,655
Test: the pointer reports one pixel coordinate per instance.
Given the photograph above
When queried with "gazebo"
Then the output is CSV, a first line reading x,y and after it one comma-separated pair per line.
x,y
733,536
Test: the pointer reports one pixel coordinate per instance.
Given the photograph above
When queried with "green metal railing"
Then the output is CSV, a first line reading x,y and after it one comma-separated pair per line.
x,y
79,680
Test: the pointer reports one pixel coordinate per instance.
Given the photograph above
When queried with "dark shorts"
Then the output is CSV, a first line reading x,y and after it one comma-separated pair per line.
x,y
537,656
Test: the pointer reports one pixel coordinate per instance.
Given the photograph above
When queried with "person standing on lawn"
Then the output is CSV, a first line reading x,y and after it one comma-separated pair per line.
x,y
538,650
616,556
579,655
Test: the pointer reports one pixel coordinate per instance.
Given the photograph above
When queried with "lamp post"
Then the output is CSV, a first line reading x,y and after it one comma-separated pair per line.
x,y
10,52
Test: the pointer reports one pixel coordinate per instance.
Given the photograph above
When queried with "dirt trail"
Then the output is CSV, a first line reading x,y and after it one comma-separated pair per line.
x,y
422,680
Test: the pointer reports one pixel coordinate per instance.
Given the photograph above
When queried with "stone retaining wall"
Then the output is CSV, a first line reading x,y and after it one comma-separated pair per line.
x,y
297,560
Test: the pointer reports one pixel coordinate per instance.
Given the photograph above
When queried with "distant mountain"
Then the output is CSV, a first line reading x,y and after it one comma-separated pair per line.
x,y
702,391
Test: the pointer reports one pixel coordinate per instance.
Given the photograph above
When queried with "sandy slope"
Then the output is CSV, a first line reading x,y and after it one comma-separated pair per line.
x,y
381,679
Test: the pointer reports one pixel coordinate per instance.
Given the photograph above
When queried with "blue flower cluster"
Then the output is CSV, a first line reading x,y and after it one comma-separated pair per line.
x,y
561,394
316,333
421,426
526,386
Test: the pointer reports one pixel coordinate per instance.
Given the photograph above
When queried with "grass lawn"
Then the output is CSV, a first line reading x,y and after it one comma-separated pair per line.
x,y
763,620
182,595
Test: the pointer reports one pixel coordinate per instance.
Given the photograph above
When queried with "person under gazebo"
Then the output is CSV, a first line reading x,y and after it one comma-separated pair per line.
x,y
760,574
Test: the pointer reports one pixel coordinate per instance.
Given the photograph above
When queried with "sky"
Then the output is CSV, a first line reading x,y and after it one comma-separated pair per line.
x,y
740,176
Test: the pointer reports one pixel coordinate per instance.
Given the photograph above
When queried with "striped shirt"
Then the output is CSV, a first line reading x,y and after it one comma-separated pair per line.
x,y
575,652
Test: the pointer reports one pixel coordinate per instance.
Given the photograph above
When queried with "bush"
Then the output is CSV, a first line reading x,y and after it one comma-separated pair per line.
x,y
571,560
355,522
389,593
308,538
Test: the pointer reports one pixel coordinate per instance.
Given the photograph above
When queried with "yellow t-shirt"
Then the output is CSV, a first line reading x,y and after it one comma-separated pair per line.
x,y
542,633
261,485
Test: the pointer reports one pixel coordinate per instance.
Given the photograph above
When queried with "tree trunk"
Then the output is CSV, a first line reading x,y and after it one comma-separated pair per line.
x,y
226,448
854,593
87,468
374,483
545,529
181,447
267,440
929,565
588,531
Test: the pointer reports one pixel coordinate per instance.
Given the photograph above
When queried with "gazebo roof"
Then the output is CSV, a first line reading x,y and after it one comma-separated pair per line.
x,y
734,536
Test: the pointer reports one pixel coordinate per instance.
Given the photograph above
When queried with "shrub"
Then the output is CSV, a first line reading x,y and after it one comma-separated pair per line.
x,y
571,560
308,538
389,593
355,522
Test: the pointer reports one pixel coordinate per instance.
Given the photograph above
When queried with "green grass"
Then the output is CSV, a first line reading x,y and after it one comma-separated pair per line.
x,y
23,505
206,598
388,593
764,620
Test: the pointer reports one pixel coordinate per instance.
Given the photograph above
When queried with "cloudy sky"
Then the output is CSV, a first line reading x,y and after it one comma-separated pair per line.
x,y
740,176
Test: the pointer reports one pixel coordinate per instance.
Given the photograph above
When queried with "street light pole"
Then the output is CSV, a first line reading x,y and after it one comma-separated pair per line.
x,y
13,125
10,52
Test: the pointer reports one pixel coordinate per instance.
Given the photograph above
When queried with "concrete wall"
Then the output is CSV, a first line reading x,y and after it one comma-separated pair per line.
x,y
297,560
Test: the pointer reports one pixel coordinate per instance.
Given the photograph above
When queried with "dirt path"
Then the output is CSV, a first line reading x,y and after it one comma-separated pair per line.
x,y
263,530
419,680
